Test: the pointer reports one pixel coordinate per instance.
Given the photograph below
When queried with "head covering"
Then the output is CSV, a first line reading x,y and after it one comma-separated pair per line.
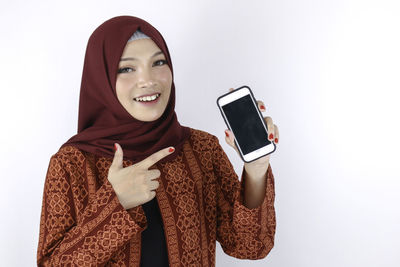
x,y
138,35
102,120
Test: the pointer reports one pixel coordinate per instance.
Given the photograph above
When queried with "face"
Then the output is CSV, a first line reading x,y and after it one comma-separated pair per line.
x,y
144,80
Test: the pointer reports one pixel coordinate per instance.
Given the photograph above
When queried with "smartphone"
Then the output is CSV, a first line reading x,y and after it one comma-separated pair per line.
x,y
242,116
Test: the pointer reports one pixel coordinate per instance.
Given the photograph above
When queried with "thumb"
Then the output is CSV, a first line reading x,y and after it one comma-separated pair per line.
x,y
118,157
230,139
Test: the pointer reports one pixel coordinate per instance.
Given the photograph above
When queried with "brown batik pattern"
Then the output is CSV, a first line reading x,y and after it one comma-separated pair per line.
x,y
242,232
169,220
82,220
181,192
200,198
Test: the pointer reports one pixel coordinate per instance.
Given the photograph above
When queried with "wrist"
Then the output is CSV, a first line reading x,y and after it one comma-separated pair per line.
x,y
255,171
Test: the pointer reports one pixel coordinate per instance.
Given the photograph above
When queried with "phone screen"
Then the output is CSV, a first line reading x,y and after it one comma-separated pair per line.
x,y
246,125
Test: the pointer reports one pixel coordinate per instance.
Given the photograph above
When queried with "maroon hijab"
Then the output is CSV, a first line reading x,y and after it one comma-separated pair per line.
x,y
102,119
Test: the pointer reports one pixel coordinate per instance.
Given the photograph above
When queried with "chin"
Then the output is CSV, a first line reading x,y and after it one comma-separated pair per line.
x,y
150,119
147,118
146,114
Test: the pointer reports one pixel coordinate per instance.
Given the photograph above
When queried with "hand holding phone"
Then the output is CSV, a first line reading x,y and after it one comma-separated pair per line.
x,y
242,116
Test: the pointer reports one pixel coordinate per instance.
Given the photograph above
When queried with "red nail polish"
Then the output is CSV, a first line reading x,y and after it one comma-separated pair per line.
x,y
115,147
276,140
226,133
271,136
171,149
262,107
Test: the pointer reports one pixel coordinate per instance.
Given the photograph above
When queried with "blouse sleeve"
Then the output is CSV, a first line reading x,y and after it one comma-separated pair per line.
x,y
92,239
242,232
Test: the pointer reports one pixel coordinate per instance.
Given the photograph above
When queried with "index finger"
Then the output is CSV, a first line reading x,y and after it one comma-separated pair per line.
x,y
154,158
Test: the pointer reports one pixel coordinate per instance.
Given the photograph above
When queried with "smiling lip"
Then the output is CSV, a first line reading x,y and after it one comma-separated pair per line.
x,y
148,95
152,102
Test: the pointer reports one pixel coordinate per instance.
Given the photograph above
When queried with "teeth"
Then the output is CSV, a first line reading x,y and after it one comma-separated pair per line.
x,y
147,98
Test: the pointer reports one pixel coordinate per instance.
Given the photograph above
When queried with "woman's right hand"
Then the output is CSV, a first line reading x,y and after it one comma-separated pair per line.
x,y
134,184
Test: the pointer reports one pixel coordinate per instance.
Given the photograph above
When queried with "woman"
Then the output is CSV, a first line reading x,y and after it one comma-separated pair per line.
x,y
134,187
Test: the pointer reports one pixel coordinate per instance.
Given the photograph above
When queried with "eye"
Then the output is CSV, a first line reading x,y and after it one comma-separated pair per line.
x,y
125,70
160,62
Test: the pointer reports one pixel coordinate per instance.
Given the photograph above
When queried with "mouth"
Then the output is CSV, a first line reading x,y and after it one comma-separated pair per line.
x,y
148,98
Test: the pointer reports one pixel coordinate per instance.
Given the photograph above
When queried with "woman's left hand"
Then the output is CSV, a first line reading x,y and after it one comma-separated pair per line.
x,y
257,167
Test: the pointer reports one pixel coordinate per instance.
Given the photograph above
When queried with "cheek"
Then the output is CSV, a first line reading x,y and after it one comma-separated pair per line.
x,y
162,74
165,76
122,87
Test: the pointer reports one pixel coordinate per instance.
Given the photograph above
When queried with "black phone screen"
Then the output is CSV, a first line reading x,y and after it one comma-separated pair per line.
x,y
246,124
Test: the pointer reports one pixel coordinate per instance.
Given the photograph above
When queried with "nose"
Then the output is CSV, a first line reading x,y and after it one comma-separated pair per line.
x,y
145,79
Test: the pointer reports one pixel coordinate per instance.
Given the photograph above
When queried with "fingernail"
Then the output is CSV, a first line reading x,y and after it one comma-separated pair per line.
x,y
171,149
226,133
271,136
262,107
115,147
276,140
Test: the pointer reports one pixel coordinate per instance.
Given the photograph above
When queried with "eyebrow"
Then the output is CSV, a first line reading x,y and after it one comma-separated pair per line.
x,y
132,58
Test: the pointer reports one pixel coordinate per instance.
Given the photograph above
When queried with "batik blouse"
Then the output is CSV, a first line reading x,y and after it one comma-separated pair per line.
x,y
200,199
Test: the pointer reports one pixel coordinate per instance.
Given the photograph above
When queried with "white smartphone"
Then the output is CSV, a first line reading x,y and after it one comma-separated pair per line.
x,y
242,116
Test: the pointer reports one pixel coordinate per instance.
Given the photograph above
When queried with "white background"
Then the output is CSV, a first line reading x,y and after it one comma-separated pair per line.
x,y
327,71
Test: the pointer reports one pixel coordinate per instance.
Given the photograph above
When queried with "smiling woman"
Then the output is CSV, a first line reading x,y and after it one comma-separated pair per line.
x,y
166,193
144,79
